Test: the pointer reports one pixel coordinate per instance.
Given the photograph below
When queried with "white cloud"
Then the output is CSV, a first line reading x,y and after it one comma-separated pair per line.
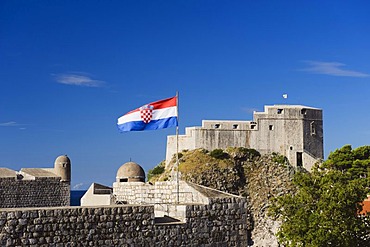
x,y
77,186
9,124
332,68
78,79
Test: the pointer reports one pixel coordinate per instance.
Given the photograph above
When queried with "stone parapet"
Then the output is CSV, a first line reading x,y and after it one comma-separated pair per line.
x,y
76,226
222,222
40,192
160,192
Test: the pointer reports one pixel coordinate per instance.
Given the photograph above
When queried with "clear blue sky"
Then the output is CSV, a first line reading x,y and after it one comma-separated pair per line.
x,y
69,69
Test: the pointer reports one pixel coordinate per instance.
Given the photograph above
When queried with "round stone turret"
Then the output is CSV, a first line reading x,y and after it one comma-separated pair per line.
x,y
62,167
130,172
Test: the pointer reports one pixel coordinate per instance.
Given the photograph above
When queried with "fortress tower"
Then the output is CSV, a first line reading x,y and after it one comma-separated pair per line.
x,y
295,131
62,167
36,187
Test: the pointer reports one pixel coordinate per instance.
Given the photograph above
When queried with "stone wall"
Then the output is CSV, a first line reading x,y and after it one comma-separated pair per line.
x,y
40,192
160,192
223,222
76,226
285,129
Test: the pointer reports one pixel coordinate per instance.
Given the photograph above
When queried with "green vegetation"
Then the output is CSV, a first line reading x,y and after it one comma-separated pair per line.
x,y
156,171
355,162
278,158
324,211
246,153
199,160
219,154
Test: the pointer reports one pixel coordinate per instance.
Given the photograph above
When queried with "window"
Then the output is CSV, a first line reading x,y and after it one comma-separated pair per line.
x,y
271,127
123,180
235,126
217,126
279,111
253,126
313,128
304,111
291,147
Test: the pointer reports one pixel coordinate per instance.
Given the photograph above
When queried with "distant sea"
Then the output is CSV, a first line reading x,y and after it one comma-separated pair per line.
x,y
76,196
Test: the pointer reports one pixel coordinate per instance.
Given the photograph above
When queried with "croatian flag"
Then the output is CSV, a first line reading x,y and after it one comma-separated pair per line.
x,y
156,115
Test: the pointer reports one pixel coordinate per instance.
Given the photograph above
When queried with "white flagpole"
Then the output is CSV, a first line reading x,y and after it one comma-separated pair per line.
x,y
177,148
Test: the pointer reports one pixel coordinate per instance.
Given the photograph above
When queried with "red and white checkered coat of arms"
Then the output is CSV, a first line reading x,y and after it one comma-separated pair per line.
x,y
146,113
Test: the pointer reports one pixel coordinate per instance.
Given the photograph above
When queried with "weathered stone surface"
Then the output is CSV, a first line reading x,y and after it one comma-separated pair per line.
x,y
210,225
258,180
41,192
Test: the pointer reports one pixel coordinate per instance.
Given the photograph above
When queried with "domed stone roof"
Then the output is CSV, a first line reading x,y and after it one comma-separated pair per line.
x,y
130,172
62,167
62,159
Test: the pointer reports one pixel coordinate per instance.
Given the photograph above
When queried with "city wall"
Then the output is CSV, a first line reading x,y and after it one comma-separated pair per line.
x,y
222,222
40,192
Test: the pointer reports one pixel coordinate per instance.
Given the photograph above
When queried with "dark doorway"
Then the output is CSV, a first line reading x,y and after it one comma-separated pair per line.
x,y
299,159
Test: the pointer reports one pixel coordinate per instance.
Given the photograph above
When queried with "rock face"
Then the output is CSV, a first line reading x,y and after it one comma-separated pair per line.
x,y
266,178
243,172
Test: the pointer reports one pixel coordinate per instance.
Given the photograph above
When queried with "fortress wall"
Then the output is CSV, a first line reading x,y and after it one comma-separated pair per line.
x,y
41,192
211,139
223,222
208,138
314,137
186,141
159,193
76,226
309,161
278,135
291,130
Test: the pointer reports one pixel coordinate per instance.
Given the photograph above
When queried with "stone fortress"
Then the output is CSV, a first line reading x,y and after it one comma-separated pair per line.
x,y
132,213
183,213
35,207
36,187
294,131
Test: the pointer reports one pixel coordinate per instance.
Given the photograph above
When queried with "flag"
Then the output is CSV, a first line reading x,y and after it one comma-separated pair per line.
x,y
156,115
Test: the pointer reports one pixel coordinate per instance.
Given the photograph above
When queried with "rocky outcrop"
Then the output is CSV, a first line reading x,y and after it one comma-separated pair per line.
x,y
243,172
266,178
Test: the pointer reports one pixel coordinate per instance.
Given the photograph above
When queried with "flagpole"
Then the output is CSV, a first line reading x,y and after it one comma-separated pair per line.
x,y
177,149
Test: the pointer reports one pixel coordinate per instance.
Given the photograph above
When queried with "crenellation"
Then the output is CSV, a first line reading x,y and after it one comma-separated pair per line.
x,y
292,130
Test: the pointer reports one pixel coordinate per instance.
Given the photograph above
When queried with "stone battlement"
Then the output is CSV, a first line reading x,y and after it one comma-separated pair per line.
x,y
222,222
295,131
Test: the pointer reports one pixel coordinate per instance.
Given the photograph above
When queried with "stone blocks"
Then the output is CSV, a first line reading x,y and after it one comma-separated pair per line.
x,y
223,222
41,192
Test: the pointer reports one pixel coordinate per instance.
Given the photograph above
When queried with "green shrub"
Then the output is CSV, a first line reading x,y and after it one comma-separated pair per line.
x,y
278,158
249,152
159,169
219,154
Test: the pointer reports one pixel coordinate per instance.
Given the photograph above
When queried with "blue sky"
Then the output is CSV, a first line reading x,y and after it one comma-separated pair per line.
x,y
69,69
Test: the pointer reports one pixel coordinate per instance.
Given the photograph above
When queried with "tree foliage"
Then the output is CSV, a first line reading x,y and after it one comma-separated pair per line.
x,y
355,162
324,211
